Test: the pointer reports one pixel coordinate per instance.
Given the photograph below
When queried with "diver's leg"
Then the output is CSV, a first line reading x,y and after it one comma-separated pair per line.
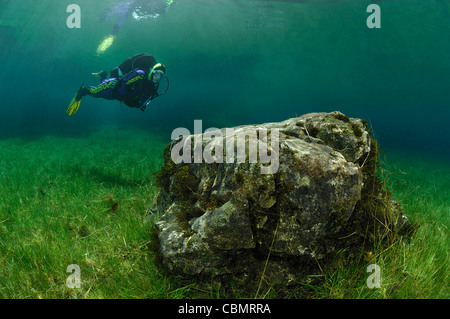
x,y
106,90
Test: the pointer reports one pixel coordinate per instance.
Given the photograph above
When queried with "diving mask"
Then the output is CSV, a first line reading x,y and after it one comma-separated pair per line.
x,y
156,73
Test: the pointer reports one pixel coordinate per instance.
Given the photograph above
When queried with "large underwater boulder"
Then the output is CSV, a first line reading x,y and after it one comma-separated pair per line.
x,y
234,215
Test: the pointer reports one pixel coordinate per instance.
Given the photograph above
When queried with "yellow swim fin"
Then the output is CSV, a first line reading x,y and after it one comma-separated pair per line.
x,y
75,103
73,106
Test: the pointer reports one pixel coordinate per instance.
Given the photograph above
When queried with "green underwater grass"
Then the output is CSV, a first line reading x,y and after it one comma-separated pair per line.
x,y
79,201
84,201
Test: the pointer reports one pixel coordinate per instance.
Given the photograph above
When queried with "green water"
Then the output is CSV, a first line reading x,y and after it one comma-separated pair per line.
x,y
236,62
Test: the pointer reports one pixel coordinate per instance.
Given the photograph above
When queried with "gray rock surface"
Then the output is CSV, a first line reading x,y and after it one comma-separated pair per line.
x,y
229,220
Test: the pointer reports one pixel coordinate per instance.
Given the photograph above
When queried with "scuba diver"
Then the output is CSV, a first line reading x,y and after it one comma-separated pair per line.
x,y
135,82
138,9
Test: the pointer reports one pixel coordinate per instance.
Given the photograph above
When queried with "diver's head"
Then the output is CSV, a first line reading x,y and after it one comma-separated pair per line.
x,y
157,73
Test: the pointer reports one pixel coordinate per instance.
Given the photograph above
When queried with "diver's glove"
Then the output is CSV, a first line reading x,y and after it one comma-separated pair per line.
x,y
102,75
